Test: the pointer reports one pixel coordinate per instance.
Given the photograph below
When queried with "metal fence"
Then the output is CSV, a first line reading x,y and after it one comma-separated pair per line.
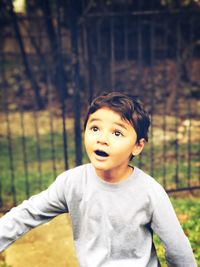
x,y
52,66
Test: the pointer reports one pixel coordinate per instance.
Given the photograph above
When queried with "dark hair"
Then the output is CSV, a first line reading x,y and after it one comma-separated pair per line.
x,y
128,107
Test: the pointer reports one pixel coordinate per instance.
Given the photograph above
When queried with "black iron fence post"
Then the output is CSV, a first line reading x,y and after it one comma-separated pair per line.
x,y
76,79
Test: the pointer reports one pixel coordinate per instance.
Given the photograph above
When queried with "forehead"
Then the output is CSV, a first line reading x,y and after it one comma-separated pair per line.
x,y
104,111
108,115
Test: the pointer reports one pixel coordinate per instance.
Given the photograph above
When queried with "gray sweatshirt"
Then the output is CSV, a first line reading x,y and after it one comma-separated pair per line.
x,y
112,223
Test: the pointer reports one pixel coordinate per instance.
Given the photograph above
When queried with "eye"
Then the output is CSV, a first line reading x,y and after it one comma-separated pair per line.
x,y
94,128
118,133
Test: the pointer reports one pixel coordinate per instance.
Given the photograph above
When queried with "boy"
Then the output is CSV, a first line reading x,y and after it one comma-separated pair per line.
x,y
114,207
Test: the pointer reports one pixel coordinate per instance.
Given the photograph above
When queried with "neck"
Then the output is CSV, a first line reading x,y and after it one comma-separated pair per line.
x,y
115,176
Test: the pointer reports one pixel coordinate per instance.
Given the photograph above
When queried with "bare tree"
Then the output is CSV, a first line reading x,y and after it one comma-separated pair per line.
x,y
27,66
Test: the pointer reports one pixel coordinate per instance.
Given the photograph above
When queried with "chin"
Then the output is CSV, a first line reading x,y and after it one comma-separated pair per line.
x,y
100,166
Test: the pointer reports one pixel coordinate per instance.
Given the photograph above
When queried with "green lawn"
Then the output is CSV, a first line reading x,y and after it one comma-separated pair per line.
x,y
29,163
188,211
40,171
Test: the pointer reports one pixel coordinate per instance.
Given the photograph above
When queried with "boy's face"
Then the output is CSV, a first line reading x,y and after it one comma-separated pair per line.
x,y
110,141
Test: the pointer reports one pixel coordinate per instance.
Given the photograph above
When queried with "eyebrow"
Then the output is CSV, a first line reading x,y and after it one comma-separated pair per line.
x,y
121,125
93,120
116,123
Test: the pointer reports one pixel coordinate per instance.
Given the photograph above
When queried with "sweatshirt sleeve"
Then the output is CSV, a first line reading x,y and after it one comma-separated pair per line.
x,y
166,225
37,210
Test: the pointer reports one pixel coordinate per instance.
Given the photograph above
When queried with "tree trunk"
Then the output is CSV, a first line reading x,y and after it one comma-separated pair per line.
x,y
60,75
28,70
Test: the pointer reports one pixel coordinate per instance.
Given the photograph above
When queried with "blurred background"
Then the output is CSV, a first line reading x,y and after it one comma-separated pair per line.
x,y
55,56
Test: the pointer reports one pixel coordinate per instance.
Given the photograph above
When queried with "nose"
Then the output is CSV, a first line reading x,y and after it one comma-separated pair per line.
x,y
102,138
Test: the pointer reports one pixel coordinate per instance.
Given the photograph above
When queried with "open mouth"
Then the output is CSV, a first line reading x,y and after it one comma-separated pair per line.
x,y
101,153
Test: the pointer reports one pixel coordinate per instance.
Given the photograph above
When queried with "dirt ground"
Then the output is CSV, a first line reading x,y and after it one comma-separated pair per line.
x,y
48,245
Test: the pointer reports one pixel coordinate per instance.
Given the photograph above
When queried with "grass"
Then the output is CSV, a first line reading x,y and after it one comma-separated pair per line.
x,y
188,212
39,173
32,163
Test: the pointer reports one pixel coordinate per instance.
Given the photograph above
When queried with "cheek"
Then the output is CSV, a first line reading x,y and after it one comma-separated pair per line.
x,y
85,140
88,140
124,147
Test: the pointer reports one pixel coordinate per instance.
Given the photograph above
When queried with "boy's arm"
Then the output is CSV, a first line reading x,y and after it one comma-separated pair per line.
x,y
33,212
166,225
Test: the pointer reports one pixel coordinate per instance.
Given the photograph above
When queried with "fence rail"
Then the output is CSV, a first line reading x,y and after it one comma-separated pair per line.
x,y
48,75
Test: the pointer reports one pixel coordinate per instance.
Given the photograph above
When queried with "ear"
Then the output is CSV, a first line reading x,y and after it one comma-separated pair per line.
x,y
138,147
